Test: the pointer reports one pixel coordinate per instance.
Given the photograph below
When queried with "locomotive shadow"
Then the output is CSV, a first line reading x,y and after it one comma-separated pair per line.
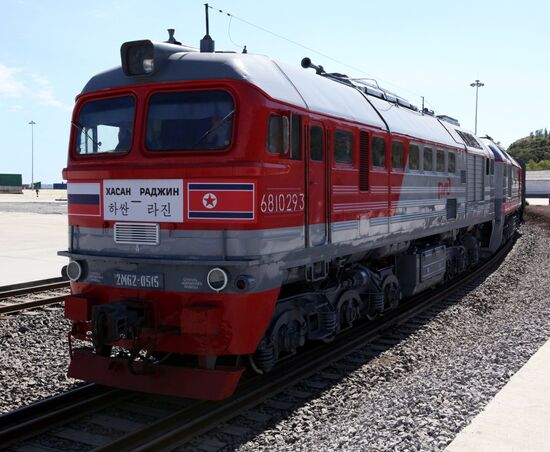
x,y
281,407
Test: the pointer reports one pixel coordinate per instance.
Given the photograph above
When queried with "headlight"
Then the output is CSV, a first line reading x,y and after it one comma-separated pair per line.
x,y
217,279
137,57
147,57
74,270
148,65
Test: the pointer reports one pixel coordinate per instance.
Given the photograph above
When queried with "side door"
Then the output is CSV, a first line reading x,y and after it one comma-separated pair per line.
x,y
316,177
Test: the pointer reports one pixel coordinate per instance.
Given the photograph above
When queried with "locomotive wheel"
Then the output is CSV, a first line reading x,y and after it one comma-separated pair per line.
x,y
392,292
348,309
254,366
283,338
290,337
263,359
392,295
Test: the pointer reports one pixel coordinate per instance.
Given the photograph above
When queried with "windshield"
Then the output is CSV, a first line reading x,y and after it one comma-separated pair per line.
x,y
189,120
105,126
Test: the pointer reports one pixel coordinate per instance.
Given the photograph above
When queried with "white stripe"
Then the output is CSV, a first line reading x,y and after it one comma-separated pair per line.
x,y
83,189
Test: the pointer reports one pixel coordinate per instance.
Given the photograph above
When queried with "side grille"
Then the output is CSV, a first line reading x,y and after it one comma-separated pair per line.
x,y
137,233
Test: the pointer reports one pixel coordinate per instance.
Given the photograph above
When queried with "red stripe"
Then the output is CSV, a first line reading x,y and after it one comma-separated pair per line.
x,y
84,209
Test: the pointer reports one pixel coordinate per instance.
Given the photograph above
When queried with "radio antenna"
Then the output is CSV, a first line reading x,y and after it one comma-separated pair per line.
x,y
207,24
207,43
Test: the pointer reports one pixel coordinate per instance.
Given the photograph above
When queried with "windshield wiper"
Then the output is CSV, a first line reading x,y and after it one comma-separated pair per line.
x,y
80,127
215,127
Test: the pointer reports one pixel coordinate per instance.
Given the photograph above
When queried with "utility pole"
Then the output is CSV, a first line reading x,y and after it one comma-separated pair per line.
x,y
32,124
477,84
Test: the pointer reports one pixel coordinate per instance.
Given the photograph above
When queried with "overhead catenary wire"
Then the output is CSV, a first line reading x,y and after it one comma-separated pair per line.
x,y
229,32
310,49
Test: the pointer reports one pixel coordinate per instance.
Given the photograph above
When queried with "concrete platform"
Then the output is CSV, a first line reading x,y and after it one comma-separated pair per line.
x,y
518,418
32,232
538,201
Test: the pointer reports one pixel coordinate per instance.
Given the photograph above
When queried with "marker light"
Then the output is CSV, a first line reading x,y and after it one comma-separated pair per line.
x,y
245,282
217,279
74,271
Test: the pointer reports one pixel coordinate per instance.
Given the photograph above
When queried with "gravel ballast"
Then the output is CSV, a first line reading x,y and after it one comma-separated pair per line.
x,y
34,357
420,393
415,396
33,346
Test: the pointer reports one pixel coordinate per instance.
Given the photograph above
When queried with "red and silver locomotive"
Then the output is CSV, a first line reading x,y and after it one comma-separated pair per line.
x,y
225,208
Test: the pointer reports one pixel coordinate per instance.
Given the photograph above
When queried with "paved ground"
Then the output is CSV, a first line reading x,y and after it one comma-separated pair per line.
x,y
537,202
32,231
517,419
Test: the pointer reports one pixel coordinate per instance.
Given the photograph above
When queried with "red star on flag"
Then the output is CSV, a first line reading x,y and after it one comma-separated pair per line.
x,y
209,201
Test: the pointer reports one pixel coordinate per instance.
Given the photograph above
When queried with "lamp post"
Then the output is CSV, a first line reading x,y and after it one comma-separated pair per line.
x,y
477,84
32,124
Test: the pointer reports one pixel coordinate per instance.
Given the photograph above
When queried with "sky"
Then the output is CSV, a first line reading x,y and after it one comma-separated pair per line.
x,y
435,49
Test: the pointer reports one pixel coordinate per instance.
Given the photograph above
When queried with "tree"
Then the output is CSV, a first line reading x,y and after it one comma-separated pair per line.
x,y
534,149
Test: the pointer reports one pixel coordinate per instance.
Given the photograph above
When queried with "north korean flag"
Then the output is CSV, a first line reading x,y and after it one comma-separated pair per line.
x,y
83,199
220,201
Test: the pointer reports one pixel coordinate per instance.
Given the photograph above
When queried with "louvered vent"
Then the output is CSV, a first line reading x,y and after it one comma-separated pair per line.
x,y
364,161
137,233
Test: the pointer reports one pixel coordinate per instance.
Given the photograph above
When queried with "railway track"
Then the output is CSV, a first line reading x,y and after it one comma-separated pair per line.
x,y
30,420
19,297
124,420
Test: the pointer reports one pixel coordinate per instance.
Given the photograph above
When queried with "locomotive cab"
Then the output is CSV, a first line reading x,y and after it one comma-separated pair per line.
x,y
163,178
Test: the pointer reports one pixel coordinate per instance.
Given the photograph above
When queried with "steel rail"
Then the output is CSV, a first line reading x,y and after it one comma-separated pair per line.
x,y
187,423
17,307
33,287
31,420
23,285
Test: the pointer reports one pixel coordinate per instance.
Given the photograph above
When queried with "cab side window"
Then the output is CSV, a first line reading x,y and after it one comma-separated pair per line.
x,y
343,146
378,150
414,157
316,143
278,134
428,159
451,164
397,155
440,161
